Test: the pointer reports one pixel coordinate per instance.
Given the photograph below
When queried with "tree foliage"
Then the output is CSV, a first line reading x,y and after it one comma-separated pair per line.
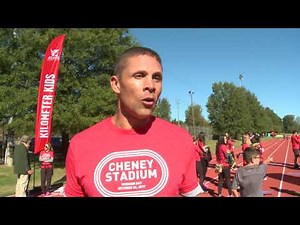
x,y
83,94
277,124
297,120
236,110
289,123
163,109
227,109
199,120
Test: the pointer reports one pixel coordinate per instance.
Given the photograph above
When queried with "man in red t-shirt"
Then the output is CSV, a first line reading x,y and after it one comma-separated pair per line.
x,y
133,153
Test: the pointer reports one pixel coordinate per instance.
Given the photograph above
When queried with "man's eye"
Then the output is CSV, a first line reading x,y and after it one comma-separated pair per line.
x,y
157,77
139,75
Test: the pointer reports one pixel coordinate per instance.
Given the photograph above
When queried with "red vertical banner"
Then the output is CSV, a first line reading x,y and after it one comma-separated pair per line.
x,y
46,94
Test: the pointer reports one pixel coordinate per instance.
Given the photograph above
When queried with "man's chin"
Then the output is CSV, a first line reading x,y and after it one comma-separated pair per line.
x,y
145,114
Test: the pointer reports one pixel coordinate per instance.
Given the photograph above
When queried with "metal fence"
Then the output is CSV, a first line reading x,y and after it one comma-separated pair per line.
x,y
197,129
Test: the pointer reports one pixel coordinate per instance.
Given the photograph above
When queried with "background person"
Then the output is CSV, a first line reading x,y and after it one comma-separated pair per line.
x,y
222,155
205,157
296,146
46,158
249,178
230,145
246,142
199,169
22,167
9,152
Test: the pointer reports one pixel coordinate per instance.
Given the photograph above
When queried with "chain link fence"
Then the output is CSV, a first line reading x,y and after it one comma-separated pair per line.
x,y
197,129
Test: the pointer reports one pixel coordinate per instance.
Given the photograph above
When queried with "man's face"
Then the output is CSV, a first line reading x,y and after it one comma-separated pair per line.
x,y
139,86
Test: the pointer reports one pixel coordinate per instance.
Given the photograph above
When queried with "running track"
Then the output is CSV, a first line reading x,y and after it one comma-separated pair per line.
x,y
282,179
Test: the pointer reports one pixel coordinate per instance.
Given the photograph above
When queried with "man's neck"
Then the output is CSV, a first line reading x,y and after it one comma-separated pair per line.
x,y
121,121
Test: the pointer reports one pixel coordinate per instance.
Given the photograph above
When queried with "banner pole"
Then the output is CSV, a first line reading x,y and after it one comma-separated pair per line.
x,y
33,182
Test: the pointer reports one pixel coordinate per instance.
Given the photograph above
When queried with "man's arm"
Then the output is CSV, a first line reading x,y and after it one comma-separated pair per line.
x,y
267,160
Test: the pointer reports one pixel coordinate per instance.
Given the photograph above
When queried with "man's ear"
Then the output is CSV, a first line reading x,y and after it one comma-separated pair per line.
x,y
115,84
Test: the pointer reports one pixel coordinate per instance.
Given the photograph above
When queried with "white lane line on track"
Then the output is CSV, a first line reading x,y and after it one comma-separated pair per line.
x,y
283,168
282,174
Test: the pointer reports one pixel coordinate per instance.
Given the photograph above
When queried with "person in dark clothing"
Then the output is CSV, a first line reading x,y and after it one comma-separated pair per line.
x,y
22,167
204,159
222,153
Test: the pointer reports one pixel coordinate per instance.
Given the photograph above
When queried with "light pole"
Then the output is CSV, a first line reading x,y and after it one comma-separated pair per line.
x,y
178,101
192,105
241,78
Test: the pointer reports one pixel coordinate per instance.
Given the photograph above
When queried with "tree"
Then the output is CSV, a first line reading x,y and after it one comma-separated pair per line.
x,y
175,121
288,123
277,124
227,108
296,123
83,94
163,109
199,119
297,120
237,110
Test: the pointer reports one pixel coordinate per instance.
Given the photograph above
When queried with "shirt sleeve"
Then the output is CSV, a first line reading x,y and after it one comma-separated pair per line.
x,y
190,186
263,169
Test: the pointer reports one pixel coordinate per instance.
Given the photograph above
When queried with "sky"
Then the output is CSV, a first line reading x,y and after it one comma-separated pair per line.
x,y
195,58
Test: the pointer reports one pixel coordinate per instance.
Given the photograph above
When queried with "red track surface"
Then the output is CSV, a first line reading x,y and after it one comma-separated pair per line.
x,y
282,179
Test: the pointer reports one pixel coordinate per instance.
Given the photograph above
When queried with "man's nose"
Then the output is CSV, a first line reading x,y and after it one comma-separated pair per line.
x,y
149,84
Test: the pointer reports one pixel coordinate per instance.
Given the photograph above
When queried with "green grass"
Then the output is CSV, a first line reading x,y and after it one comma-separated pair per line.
x,y
8,179
212,145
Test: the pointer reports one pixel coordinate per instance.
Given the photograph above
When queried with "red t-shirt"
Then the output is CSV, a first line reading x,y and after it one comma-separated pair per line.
x,y
221,156
46,159
201,146
244,146
104,160
230,144
295,141
197,152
